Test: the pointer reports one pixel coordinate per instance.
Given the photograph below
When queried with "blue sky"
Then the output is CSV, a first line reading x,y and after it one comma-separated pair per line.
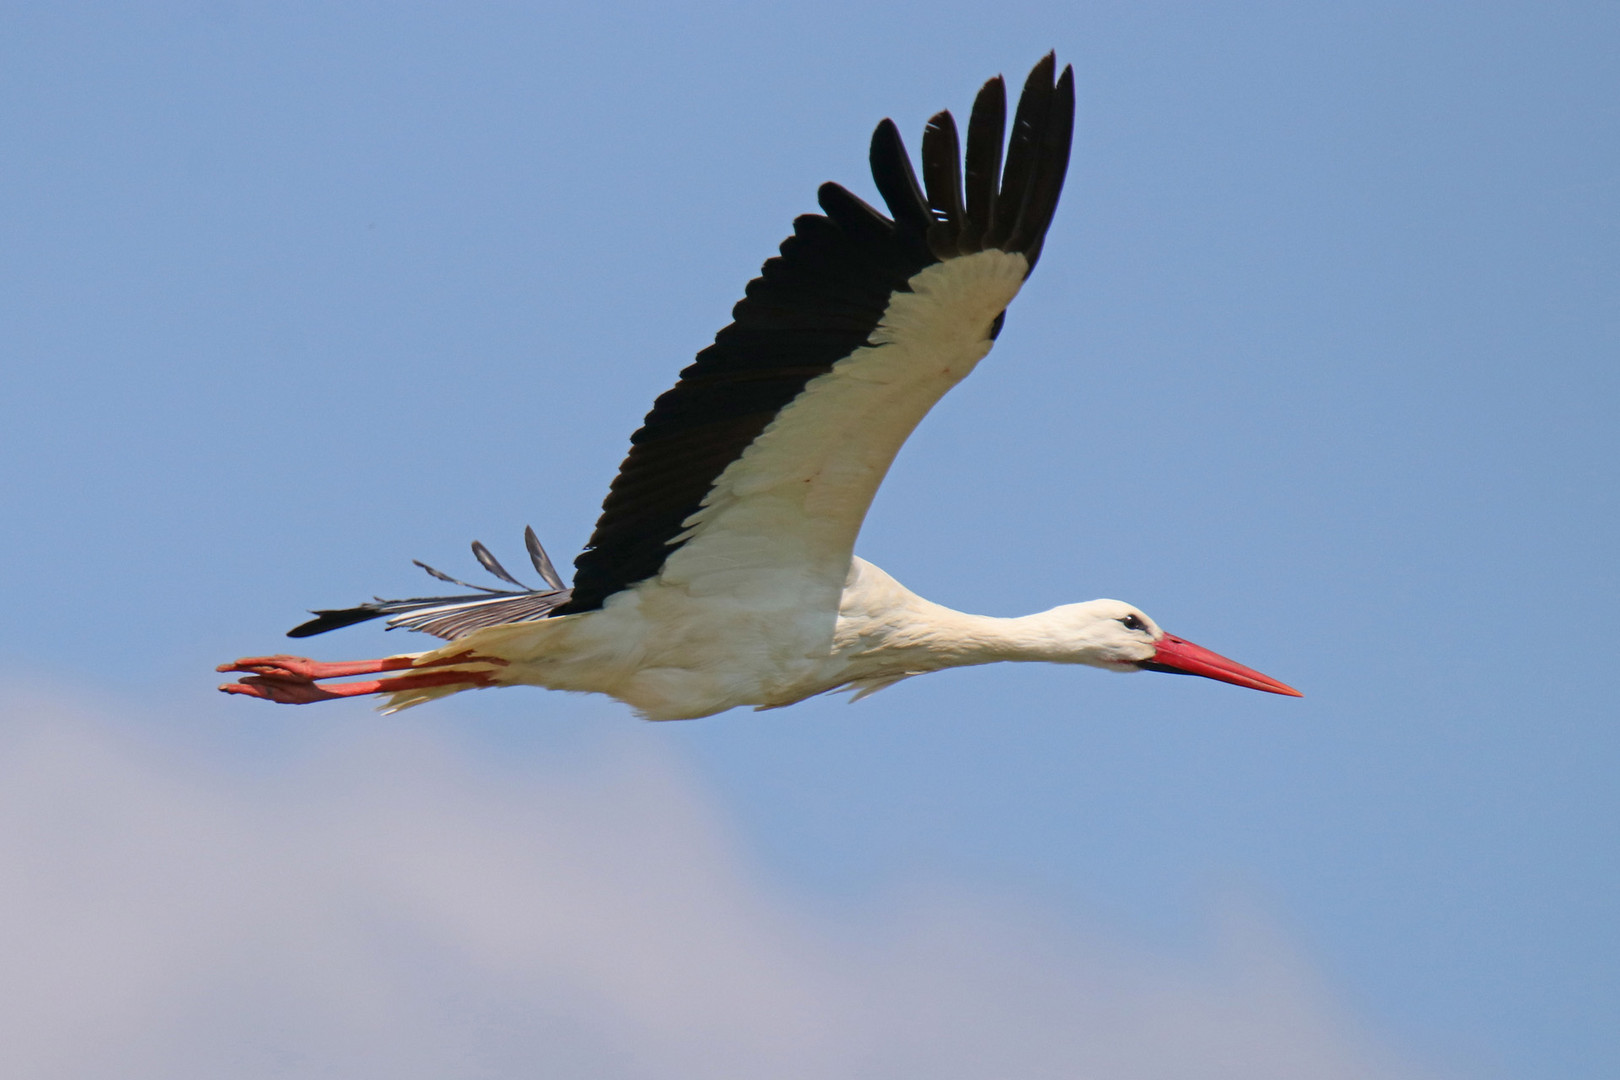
x,y
1318,368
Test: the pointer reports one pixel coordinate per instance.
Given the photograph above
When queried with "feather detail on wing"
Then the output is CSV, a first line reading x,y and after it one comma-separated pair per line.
x,y
452,617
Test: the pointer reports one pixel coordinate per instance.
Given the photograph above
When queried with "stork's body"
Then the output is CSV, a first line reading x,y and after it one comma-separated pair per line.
x,y
722,572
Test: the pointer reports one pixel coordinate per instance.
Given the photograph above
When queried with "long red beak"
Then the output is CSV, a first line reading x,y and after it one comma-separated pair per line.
x,y
1178,656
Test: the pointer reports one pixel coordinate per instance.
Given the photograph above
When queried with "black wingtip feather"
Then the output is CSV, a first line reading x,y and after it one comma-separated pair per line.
x,y
542,561
1023,154
493,565
896,182
942,176
335,620
1051,166
858,218
982,165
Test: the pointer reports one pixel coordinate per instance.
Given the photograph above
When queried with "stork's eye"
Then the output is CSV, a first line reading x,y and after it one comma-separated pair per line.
x,y
1131,622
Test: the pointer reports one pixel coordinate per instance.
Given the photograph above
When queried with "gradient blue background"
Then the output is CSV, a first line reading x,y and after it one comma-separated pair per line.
x,y
1318,368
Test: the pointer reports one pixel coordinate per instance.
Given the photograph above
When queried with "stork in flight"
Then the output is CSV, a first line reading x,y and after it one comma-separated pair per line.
x,y
722,570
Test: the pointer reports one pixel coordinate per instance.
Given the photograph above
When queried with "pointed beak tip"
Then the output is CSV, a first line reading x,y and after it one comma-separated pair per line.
x,y
1181,656
1264,682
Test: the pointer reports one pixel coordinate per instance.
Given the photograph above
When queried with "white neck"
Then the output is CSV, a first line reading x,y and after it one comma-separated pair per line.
x,y
960,639
884,627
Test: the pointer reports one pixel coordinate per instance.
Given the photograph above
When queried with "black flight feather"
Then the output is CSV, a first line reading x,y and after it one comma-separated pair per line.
x,y
942,176
1023,148
983,163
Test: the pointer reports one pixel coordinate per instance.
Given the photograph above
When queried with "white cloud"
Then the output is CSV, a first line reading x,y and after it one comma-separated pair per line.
x,y
392,904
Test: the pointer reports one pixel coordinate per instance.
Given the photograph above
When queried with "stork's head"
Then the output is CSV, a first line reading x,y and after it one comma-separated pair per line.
x,y
1114,635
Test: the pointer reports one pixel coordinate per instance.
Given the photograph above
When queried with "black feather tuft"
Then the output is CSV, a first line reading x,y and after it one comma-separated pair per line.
x,y
453,616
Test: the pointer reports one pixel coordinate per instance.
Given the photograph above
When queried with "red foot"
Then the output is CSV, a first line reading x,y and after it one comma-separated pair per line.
x,y
290,680
289,692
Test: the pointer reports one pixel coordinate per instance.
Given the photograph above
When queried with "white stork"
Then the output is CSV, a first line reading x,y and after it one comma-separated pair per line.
x,y
722,570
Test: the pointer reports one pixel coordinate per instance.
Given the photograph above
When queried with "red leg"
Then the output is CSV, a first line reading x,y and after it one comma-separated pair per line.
x,y
291,680
301,667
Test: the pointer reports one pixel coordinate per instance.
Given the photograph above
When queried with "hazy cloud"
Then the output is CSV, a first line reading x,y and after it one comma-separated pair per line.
x,y
391,903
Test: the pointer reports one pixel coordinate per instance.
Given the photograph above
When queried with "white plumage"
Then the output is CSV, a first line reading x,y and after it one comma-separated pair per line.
x,y
723,572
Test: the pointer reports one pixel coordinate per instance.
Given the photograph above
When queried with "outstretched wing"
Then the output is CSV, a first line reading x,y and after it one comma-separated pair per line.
x,y
749,479
753,474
